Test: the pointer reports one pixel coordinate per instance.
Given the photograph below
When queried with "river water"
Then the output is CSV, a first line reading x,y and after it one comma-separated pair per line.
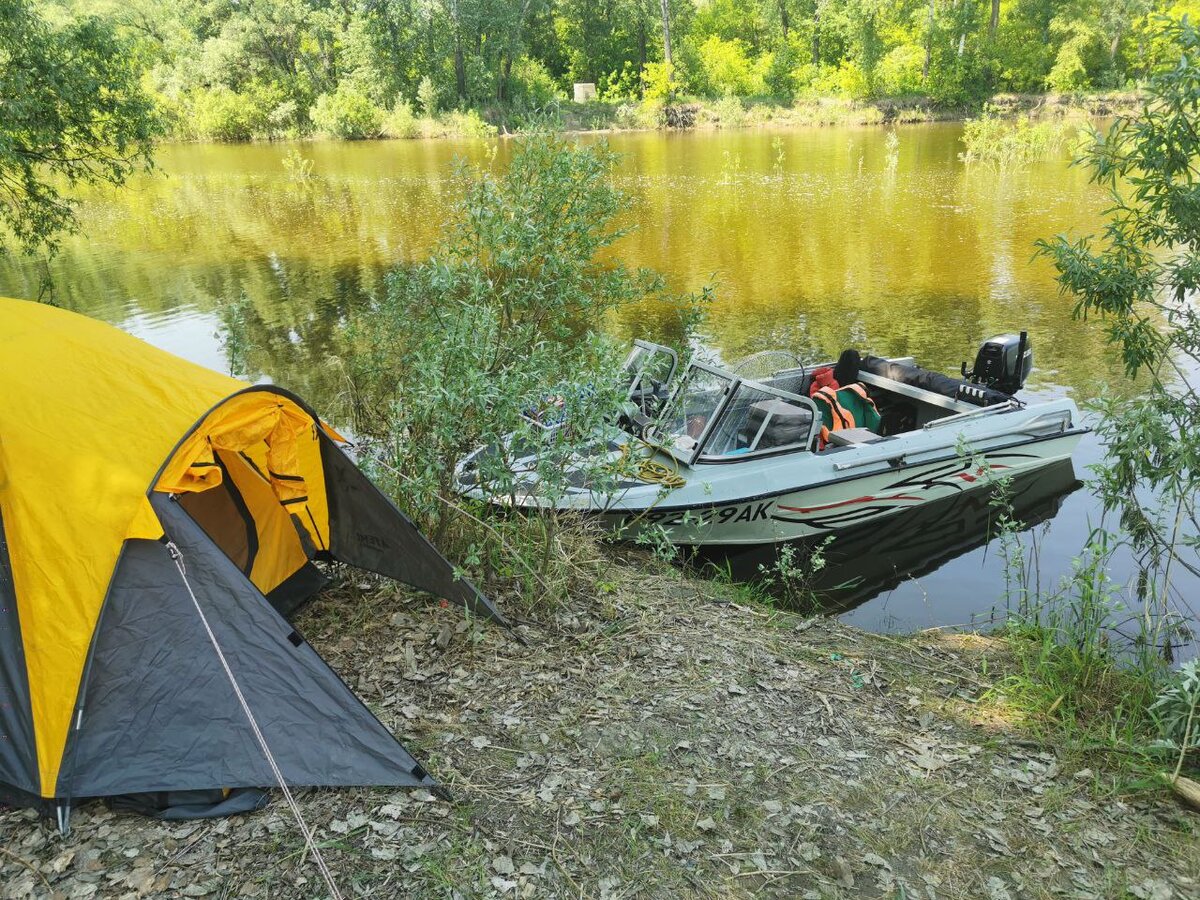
x,y
814,240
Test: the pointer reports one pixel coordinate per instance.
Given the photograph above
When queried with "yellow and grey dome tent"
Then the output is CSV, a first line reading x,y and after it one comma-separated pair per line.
x,y
152,514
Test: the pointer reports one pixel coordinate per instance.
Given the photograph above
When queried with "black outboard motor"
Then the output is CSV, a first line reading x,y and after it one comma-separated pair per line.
x,y
1003,363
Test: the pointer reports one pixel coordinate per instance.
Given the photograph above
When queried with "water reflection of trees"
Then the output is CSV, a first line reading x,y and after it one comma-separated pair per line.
x,y
824,251
296,336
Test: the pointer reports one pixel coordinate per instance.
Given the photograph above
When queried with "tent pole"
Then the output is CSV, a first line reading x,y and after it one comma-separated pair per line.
x,y
62,811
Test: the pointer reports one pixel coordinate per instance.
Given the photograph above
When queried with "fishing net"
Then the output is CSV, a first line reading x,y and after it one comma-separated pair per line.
x,y
776,368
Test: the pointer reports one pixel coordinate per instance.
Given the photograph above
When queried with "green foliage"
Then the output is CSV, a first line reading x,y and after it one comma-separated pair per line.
x,y
504,58
505,316
1010,143
401,122
899,72
1070,678
779,79
792,574
464,124
427,97
658,82
1080,57
532,85
1177,709
727,112
72,111
346,113
620,86
724,69
847,79
1139,281
298,167
219,114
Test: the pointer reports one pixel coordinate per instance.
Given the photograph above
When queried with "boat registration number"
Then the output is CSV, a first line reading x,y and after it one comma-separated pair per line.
x,y
717,515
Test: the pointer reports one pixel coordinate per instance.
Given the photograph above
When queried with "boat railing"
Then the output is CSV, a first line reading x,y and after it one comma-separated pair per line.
x,y
1041,425
1007,406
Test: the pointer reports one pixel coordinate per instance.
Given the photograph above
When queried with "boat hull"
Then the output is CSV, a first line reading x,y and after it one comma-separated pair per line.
x,y
832,506
739,501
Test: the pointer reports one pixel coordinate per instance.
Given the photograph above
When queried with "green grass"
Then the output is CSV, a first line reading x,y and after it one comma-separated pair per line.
x,y
1086,699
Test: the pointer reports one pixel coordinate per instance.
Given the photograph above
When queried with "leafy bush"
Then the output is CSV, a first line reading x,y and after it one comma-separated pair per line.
x,y
659,81
726,70
1080,58
1007,142
844,80
779,77
284,119
401,122
509,308
347,113
219,114
532,85
960,81
899,72
458,123
620,86
646,114
728,112
427,97
1177,709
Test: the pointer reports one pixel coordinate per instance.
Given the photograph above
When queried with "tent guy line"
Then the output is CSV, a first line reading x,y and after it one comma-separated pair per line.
x,y
177,555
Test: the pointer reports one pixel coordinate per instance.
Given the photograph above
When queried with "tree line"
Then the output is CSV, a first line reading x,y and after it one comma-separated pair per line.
x,y
239,69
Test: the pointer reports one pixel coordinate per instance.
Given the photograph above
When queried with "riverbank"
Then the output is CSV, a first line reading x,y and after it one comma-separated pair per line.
x,y
657,737
683,114
733,112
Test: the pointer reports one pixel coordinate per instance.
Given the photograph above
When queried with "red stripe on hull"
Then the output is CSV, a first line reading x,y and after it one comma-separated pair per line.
x,y
808,509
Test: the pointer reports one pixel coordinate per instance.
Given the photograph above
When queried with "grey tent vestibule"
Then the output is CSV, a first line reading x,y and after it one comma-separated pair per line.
x,y
158,524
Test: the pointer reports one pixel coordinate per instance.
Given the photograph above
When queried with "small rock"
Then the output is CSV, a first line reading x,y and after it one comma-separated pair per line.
x,y
503,865
845,875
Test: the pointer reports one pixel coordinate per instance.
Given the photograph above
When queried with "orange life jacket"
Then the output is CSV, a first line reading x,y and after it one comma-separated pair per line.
x,y
842,417
822,378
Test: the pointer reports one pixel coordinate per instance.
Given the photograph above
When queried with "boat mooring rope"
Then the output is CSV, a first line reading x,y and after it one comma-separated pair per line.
x,y
649,470
262,741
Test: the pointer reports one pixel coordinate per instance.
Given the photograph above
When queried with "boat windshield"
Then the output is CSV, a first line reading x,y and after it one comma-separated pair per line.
x,y
648,371
716,416
757,419
692,411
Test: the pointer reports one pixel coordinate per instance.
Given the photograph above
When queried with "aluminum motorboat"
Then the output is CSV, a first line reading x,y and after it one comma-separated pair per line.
x,y
728,459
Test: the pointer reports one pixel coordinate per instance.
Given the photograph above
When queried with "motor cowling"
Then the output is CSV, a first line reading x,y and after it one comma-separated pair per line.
x,y
1003,363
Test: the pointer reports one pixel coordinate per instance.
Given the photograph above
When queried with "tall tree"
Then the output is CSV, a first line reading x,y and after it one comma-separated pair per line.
x,y
929,26
74,112
666,28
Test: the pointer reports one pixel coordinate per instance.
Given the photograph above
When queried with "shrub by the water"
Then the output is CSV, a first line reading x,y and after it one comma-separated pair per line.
x,y
347,113
507,312
1082,668
221,115
1010,142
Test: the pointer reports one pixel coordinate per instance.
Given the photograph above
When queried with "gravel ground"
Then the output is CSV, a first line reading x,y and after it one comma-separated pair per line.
x,y
655,739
